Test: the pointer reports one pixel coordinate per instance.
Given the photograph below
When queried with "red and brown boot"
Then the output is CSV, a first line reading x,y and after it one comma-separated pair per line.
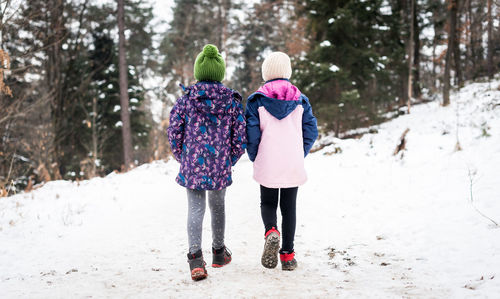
x,y
197,265
288,261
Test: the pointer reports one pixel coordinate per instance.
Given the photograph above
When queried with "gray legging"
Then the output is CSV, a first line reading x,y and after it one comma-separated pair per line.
x,y
196,211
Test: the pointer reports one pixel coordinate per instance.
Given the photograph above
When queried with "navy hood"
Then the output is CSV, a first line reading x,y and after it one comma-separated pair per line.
x,y
278,108
279,97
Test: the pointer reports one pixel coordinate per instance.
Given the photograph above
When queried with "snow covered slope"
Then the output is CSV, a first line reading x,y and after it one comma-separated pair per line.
x,y
370,224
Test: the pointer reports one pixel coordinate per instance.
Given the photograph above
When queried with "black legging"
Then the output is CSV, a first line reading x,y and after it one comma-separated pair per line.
x,y
288,203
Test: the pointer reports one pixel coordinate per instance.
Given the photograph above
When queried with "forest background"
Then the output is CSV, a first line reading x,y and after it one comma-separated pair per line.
x,y
359,61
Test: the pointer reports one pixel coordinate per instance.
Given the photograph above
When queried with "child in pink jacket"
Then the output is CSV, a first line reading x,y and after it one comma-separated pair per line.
x,y
281,130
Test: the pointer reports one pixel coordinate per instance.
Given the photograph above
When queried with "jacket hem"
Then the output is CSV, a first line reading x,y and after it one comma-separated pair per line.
x,y
280,185
194,187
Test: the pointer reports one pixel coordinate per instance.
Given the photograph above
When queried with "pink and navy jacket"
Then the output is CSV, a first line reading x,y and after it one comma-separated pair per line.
x,y
207,135
281,129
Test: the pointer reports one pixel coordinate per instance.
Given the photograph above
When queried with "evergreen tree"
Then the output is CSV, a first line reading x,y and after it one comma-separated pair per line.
x,y
354,67
66,46
103,143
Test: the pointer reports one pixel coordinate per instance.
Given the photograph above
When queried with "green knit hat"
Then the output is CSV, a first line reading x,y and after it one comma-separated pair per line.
x,y
209,65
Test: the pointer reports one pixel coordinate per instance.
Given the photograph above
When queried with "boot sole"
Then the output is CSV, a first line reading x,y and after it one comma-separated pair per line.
x,y
198,274
289,267
270,255
214,265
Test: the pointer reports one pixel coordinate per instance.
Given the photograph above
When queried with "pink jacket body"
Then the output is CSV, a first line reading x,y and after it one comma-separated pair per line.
x,y
281,130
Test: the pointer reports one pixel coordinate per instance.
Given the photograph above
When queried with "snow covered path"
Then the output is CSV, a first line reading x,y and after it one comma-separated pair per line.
x,y
369,224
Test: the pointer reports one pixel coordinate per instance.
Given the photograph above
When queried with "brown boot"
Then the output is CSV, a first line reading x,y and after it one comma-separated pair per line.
x,y
221,257
197,265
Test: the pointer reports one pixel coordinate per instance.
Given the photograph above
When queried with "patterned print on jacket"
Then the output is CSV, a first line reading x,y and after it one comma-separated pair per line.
x,y
207,135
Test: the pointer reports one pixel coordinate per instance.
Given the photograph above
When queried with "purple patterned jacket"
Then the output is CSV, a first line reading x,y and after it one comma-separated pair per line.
x,y
207,135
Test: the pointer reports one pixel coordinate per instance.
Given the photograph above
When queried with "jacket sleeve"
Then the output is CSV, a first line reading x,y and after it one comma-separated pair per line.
x,y
309,126
175,129
253,129
238,131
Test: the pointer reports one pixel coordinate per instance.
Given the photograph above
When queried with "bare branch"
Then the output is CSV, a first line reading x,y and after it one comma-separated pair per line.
x,y
472,175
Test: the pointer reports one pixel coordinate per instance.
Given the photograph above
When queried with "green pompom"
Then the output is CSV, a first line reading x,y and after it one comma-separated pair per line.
x,y
210,51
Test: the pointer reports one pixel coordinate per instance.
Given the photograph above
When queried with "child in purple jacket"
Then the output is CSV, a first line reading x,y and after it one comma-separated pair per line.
x,y
207,136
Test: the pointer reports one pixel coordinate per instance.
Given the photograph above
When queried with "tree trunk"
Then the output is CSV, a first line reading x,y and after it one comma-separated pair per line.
x,y
123,70
401,9
467,38
94,137
222,15
452,22
477,32
416,52
410,54
456,45
490,41
219,24
54,77
435,41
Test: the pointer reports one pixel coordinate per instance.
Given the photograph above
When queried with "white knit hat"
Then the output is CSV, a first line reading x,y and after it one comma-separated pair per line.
x,y
276,65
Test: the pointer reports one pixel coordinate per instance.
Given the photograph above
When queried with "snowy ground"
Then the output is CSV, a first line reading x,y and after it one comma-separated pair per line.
x,y
370,224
